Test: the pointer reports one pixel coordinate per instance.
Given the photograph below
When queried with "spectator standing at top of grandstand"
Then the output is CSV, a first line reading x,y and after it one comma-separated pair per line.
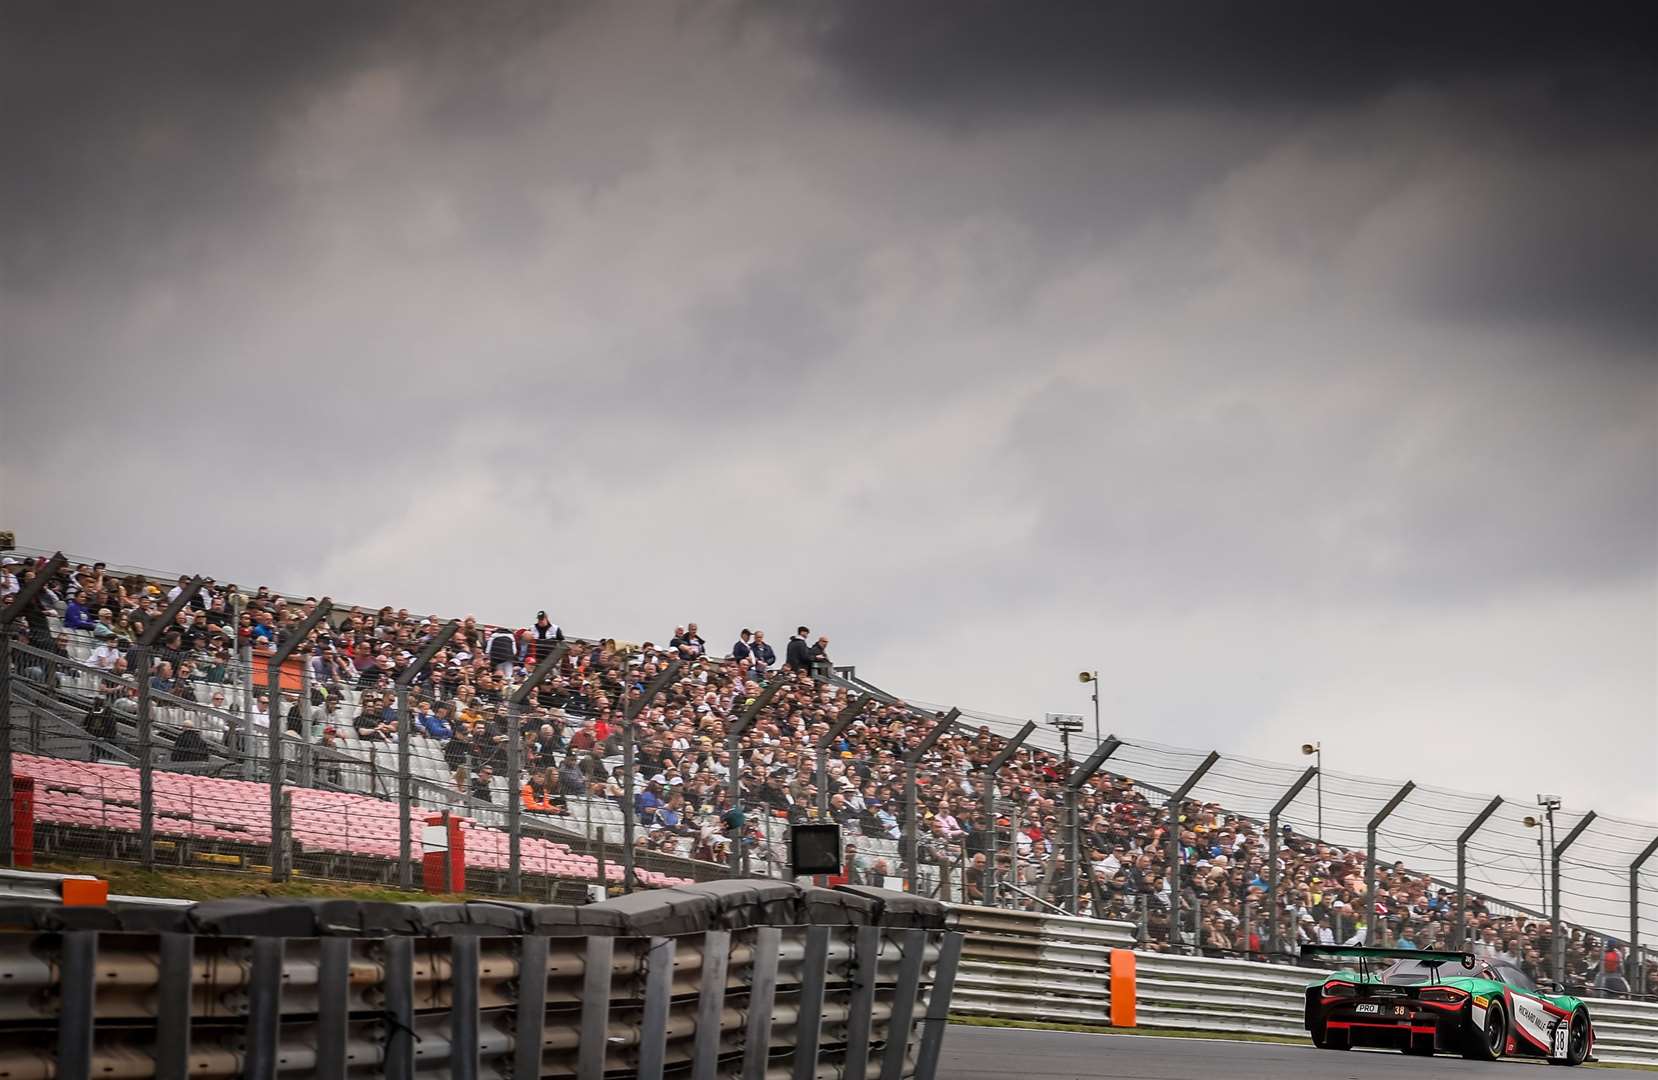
x,y
798,656
689,643
741,649
543,636
820,653
503,652
763,655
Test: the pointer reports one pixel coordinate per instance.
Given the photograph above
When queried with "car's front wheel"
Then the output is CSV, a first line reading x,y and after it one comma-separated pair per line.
x,y
1577,1049
1488,1044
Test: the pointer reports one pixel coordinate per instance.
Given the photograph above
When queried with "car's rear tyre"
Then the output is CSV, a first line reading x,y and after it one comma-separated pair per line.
x,y
1489,1044
1325,1039
1578,1048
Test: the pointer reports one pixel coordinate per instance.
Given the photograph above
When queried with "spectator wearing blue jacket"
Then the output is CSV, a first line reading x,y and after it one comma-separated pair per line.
x,y
78,615
437,724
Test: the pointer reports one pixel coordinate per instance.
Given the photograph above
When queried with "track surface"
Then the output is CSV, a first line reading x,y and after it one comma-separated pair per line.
x,y
975,1053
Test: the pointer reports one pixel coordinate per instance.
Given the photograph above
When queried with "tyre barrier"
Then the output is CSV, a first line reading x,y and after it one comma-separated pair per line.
x,y
743,979
1035,967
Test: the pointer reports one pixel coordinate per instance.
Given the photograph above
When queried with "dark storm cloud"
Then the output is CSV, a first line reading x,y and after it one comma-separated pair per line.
x,y
986,56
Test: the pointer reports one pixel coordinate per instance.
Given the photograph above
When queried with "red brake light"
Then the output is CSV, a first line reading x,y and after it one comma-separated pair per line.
x,y
1338,989
1442,995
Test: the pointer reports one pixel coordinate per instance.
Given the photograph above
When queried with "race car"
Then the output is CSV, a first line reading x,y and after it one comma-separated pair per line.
x,y
1426,1002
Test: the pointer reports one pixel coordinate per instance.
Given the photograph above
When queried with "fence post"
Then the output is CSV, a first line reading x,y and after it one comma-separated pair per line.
x,y
630,712
1370,860
846,716
515,762
912,761
9,615
244,737
1175,798
306,772
1557,943
144,647
1073,806
405,780
273,677
1272,853
733,749
1635,913
991,771
1462,868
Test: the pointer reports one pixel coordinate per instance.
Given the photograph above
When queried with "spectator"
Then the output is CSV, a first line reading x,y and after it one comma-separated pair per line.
x,y
481,784
535,795
543,636
740,650
799,657
764,655
503,652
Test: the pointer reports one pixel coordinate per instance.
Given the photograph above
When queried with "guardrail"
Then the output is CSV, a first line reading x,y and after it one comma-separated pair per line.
x,y
1026,966
750,979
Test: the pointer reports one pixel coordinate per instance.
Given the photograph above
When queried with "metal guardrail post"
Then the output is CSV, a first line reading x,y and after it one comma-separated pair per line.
x,y
630,712
762,996
144,648
1558,941
866,952
515,762
1462,868
992,770
77,979
653,1023
175,988
1273,914
333,1006
1635,910
264,1030
716,958
733,749
531,1012
273,677
399,1025
913,946
1370,860
595,1007
938,1006
1175,849
9,615
405,778
846,716
808,1029
463,1007
910,841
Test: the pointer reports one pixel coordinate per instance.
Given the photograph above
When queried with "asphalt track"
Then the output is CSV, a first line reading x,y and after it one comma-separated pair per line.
x,y
976,1053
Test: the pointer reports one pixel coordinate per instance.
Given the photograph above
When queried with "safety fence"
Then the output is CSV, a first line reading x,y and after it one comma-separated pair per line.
x,y
1033,967
711,981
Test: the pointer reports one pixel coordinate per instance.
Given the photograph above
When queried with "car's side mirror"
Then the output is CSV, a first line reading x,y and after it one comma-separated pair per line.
x,y
1549,986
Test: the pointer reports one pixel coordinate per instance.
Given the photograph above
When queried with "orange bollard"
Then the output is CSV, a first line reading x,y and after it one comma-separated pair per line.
x,y
1123,993
83,892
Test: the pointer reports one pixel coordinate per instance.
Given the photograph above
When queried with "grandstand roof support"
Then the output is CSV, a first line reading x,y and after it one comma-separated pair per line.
x,y
630,713
1370,859
139,659
987,883
515,760
1556,940
1273,915
275,738
9,615
405,779
1175,798
1073,809
1462,868
733,749
912,762
845,717
1635,901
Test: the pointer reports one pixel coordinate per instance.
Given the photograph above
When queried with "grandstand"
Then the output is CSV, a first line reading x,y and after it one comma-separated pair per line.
x,y
74,729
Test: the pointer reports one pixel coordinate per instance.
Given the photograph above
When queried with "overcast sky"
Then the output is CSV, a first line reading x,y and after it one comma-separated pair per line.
x,y
1298,375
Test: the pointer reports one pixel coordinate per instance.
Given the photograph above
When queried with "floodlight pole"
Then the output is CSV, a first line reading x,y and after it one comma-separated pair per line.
x,y
988,884
1370,860
1635,913
28,592
140,658
515,762
273,679
846,716
631,710
1559,944
734,772
912,761
1462,868
1073,806
405,780
1175,797
1278,808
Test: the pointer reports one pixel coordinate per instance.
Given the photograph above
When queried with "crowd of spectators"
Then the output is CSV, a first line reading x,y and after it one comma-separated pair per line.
x,y
572,728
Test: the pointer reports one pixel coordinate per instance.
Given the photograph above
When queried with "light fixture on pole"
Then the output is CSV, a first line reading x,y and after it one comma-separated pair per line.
x,y
1542,865
1093,678
1317,748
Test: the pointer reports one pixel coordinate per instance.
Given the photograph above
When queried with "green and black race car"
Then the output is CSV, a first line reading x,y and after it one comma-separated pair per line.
x,y
1430,1002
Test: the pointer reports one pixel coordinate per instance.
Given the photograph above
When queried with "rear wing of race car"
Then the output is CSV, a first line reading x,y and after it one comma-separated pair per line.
x,y
1430,958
